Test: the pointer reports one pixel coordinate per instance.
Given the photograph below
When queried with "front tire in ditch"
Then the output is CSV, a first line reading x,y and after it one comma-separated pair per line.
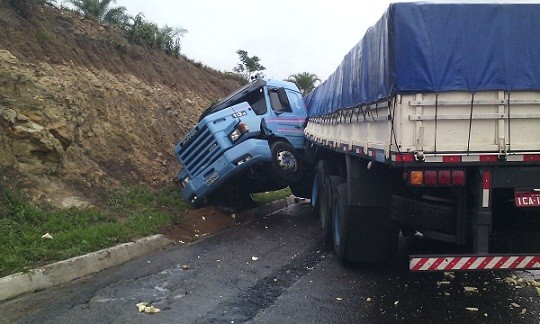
x,y
286,163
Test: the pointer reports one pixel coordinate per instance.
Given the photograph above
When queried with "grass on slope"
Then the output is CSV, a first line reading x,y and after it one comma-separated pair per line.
x,y
128,214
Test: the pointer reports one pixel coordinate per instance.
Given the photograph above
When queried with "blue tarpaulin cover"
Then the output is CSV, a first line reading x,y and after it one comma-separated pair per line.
x,y
435,47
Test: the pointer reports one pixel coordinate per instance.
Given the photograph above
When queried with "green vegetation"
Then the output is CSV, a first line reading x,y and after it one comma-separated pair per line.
x,y
25,8
266,197
305,81
166,38
101,11
138,31
248,65
128,214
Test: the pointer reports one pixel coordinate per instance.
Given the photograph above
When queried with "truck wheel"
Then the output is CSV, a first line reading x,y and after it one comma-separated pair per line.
x,y
375,234
286,162
340,222
326,207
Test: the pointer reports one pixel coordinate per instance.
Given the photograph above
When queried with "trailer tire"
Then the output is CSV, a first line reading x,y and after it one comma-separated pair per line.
x,y
340,222
376,234
286,163
322,170
326,208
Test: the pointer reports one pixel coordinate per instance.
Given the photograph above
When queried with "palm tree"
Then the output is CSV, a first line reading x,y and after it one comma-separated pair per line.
x,y
99,10
166,38
305,81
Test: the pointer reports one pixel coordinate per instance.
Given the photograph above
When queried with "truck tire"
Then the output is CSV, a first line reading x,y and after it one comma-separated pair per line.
x,y
375,234
322,170
286,163
340,222
327,206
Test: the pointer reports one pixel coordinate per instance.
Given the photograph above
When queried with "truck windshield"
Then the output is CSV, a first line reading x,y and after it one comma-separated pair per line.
x,y
251,93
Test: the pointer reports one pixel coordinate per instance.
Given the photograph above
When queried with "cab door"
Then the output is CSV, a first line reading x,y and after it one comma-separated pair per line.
x,y
288,115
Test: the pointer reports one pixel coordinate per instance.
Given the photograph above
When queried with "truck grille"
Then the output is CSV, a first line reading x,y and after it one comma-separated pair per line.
x,y
200,151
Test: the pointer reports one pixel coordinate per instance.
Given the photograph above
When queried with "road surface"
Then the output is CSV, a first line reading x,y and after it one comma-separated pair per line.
x,y
275,270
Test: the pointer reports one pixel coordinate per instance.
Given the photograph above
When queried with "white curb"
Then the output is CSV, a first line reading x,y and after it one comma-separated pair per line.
x,y
64,271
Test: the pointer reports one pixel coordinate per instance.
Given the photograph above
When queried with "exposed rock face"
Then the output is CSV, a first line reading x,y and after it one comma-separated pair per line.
x,y
69,130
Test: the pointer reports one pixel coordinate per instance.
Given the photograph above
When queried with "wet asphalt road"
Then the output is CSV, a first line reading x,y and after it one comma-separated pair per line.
x,y
293,280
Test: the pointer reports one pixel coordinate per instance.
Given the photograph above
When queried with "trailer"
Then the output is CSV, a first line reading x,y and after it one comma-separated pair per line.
x,y
431,125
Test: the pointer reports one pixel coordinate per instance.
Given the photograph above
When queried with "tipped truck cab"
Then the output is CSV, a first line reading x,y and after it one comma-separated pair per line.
x,y
254,131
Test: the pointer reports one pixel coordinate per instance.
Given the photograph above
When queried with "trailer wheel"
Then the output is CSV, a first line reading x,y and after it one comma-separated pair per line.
x,y
286,162
340,222
322,170
375,234
326,207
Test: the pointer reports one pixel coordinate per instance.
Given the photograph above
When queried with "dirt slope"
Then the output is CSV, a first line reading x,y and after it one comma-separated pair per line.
x,y
82,110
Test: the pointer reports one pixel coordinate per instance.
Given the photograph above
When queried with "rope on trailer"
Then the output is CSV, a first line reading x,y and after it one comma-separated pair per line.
x,y
364,113
509,142
436,121
357,113
470,125
393,131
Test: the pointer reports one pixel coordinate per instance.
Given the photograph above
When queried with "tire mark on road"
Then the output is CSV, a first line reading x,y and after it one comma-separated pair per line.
x,y
264,292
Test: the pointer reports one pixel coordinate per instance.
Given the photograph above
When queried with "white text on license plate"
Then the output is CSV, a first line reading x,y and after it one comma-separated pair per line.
x,y
211,179
527,199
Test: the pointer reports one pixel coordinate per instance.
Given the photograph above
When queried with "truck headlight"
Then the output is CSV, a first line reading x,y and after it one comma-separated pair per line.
x,y
185,182
240,130
244,159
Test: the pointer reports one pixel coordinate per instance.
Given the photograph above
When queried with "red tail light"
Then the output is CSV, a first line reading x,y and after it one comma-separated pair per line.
x,y
430,177
437,178
458,177
444,177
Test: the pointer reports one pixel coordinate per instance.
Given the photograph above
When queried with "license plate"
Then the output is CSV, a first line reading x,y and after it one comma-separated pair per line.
x,y
527,198
211,179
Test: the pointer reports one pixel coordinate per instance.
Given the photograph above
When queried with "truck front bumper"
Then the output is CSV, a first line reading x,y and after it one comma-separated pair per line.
x,y
215,175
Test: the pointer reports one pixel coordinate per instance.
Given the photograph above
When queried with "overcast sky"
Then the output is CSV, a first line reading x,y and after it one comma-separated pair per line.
x,y
289,36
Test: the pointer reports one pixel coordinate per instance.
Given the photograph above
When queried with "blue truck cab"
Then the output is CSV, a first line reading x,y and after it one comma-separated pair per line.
x,y
248,142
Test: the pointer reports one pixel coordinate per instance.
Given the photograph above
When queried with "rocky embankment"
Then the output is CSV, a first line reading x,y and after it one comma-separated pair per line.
x,y
70,130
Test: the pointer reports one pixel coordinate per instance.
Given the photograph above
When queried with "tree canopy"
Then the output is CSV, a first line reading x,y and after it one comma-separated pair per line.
x,y
166,38
305,81
248,65
102,11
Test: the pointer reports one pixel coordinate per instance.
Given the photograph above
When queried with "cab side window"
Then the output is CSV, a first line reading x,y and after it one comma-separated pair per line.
x,y
279,102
